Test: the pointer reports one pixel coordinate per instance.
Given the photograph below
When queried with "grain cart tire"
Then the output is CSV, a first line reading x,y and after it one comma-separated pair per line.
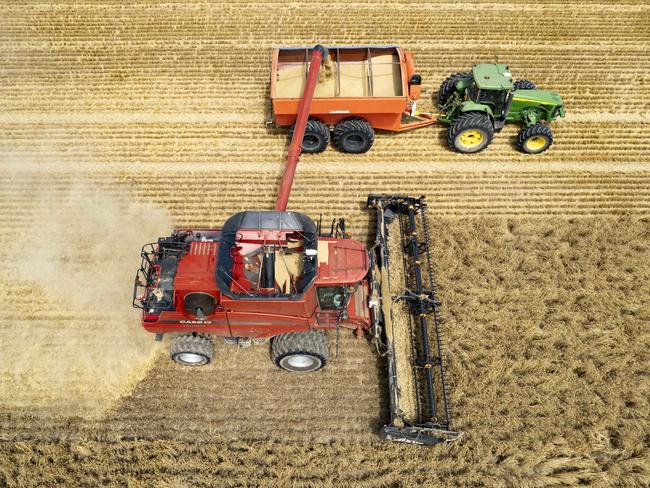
x,y
448,87
535,139
300,352
192,350
471,132
354,136
316,138
524,85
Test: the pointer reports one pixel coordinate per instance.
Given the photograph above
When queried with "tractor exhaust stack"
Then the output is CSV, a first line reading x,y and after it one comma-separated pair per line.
x,y
406,323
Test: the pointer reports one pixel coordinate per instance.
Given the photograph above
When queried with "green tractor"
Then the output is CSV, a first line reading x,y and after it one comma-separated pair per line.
x,y
478,104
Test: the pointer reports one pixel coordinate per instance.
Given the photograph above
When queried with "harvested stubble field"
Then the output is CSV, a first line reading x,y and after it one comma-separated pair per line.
x,y
120,120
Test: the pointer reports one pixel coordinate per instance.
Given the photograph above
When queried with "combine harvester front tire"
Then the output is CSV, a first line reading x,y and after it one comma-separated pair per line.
x,y
301,352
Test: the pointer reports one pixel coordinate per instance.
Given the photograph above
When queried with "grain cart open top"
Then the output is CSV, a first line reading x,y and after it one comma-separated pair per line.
x,y
276,275
360,89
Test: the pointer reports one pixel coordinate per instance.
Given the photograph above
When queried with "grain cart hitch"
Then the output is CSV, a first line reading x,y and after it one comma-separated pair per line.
x,y
406,323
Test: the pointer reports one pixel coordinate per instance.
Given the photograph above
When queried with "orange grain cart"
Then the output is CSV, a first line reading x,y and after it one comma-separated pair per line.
x,y
359,89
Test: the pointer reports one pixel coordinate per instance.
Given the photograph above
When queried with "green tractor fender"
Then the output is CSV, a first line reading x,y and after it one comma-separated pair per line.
x,y
463,84
470,106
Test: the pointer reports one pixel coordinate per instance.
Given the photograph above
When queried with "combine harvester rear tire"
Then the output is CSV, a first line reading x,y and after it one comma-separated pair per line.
x,y
407,324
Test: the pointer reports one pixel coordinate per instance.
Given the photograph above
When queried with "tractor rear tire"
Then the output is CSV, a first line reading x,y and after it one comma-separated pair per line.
x,y
448,87
300,352
524,85
316,138
471,132
192,350
535,139
354,136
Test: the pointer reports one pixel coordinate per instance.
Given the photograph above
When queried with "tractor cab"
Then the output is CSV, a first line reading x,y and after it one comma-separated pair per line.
x,y
493,87
267,255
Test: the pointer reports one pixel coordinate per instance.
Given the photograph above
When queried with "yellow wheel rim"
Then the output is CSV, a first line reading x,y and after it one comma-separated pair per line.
x,y
535,143
471,137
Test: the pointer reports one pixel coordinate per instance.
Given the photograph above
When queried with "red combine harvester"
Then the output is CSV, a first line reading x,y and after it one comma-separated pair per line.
x,y
274,275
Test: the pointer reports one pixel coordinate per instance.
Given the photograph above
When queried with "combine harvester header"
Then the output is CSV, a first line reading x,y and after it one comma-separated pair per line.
x,y
406,324
273,275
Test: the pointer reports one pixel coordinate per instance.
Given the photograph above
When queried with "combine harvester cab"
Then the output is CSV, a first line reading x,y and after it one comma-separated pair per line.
x,y
360,89
406,323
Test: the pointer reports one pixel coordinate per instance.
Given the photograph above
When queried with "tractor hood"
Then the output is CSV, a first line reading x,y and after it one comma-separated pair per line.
x,y
540,97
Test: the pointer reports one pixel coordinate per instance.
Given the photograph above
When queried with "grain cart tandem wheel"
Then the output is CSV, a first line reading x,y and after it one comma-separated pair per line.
x,y
300,352
192,350
316,138
471,132
354,136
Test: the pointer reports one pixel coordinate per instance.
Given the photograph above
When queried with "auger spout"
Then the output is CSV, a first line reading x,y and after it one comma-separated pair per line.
x,y
319,53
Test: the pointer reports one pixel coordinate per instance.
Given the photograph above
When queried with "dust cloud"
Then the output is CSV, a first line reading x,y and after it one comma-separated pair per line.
x,y
72,343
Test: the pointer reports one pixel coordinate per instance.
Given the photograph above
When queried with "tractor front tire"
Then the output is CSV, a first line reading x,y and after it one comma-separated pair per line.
x,y
354,136
535,139
316,138
448,87
471,132
192,350
300,352
524,85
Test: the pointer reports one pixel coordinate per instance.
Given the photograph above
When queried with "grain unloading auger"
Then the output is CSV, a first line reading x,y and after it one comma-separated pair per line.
x,y
274,276
406,324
